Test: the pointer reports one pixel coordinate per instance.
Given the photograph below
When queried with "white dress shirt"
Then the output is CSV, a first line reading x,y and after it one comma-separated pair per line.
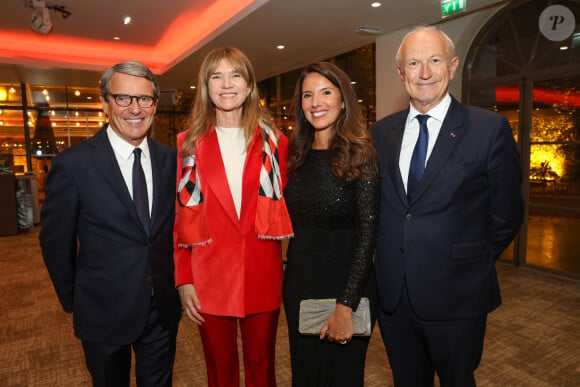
x,y
124,155
233,150
411,134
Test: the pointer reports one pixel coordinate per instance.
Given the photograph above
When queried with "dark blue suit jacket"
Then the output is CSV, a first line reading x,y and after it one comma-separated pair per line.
x,y
468,210
107,278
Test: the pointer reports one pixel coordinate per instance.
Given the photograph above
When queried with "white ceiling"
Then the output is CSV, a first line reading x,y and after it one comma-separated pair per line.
x,y
172,35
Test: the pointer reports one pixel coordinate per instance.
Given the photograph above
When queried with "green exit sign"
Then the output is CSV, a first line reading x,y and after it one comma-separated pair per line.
x,y
450,7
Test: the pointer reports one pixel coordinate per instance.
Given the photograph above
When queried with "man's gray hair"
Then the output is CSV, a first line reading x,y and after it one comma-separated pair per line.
x,y
133,68
448,42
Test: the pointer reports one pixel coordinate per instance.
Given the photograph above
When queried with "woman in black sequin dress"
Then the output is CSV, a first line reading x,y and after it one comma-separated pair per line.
x,y
332,196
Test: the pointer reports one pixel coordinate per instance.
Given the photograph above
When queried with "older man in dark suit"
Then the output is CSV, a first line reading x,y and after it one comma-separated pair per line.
x,y
106,236
451,203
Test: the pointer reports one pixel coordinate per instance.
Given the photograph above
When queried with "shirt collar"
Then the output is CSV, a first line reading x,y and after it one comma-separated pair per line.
x,y
438,112
122,147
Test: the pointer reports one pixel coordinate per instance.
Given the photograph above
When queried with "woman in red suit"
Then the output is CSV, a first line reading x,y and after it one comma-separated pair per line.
x,y
230,219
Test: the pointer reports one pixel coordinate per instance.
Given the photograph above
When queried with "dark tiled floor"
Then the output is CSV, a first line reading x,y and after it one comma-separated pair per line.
x,y
533,339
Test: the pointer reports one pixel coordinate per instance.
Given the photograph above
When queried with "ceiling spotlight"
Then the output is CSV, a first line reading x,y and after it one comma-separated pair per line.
x,y
127,20
280,47
40,21
376,4
40,18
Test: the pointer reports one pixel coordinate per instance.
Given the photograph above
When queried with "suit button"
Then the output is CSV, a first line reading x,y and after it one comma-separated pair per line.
x,y
409,216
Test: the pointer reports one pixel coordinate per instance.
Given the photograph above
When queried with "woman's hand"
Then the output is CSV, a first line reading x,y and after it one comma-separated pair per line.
x,y
339,326
190,303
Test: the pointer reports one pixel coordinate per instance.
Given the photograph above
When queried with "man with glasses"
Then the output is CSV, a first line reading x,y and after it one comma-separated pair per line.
x,y
106,236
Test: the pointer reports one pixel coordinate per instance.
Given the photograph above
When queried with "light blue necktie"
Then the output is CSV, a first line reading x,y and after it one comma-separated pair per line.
x,y
418,159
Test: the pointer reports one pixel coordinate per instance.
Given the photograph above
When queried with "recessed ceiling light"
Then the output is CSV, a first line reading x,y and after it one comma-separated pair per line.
x,y
116,38
563,48
376,4
127,20
89,97
353,82
192,87
280,47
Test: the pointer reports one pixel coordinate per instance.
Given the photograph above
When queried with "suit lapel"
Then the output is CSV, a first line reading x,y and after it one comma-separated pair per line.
x,y
451,130
104,159
159,183
394,152
213,174
251,179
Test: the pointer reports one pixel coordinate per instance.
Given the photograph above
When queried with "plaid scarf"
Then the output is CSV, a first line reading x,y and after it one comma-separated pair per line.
x,y
272,219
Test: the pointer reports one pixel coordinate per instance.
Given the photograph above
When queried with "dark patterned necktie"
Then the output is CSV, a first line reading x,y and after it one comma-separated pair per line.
x,y
140,197
417,166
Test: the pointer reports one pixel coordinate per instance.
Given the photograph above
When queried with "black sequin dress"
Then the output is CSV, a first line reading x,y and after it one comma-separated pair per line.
x,y
335,226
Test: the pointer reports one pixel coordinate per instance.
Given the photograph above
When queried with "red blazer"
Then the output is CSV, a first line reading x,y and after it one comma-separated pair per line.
x,y
236,274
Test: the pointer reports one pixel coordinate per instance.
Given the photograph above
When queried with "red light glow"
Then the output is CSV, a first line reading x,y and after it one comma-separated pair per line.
x,y
183,36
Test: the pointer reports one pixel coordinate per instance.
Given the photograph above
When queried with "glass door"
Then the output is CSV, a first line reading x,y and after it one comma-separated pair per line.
x,y
554,177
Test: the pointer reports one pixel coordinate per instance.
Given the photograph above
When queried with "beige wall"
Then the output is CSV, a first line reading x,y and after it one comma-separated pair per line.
x,y
391,96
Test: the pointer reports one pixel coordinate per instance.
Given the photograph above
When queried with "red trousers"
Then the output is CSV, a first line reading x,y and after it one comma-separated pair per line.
x,y
220,346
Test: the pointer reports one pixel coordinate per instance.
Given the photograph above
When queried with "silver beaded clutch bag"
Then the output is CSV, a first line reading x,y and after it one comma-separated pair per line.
x,y
314,312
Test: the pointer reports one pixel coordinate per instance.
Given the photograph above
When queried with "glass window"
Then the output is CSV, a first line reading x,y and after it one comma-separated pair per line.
x,y
535,82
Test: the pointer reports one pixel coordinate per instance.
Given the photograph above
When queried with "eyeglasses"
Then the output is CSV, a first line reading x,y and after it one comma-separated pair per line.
x,y
125,100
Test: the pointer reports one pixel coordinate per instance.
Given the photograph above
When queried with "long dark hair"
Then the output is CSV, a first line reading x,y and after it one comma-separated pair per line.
x,y
351,144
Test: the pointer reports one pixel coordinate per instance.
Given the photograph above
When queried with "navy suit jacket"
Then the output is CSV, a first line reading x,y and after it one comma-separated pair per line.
x,y
101,262
468,209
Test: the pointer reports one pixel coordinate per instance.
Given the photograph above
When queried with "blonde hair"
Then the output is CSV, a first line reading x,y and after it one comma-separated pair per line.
x,y
203,119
